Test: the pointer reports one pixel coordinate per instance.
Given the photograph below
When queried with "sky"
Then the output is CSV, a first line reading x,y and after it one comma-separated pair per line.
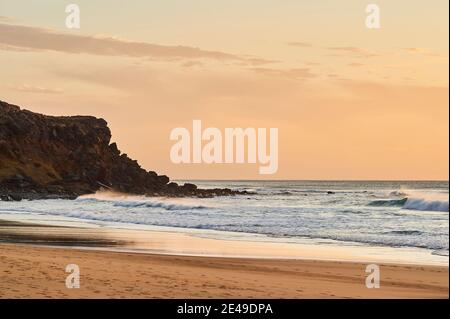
x,y
349,102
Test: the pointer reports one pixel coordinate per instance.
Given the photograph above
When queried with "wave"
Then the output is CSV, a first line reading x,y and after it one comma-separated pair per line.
x,y
398,193
405,232
286,193
426,205
130,201
441,252
422,204
389,202
151,204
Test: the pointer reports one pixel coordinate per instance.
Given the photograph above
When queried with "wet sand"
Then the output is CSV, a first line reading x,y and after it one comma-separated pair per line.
x,y
30,271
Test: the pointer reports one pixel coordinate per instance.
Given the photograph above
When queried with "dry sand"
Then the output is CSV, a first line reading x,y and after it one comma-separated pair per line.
x,y
39,272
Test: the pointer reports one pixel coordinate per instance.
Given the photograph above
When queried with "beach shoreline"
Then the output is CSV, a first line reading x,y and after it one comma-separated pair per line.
x,y
33,265
145,239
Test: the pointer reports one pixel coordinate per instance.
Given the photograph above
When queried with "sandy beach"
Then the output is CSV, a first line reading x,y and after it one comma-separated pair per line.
x,y
30,271
37,272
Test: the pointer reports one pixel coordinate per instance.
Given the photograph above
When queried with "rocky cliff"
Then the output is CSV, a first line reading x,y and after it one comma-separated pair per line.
x,y
64,157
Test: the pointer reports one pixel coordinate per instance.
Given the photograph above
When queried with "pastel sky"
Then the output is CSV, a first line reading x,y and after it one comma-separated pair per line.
x,y
349,102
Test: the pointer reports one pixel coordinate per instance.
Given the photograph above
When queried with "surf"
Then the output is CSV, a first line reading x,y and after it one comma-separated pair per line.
x,y
421,204
426,205
136,201
389,202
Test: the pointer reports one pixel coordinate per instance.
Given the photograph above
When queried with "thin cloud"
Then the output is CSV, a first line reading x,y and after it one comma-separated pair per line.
x,y
423,51
190,64
35,89
364,53
7,19
300,44
258,61
416,50
6,47
33,38
296,73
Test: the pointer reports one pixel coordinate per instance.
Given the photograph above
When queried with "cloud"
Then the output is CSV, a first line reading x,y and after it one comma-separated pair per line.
x,y
300,44
6,47
296,73
424,51
7,19
189,64
35,89
416,50
258,61
360,52
33,38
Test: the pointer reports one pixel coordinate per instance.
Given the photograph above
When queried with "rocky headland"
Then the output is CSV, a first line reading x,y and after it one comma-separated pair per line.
x,y
44,157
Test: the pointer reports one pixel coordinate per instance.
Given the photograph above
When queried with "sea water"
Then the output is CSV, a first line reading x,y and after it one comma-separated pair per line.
x,y
394,214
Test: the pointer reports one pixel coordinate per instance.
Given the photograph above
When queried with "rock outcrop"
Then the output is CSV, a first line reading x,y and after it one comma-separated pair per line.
x,y
64,157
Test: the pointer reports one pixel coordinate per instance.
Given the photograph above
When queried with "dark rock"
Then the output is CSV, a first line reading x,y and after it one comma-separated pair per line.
x,y
5,198
163,179
15,197
114,149
172,185
190,187
152,173
67,156
11,197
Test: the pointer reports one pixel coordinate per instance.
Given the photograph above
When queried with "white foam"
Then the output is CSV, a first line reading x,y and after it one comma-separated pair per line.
x,y
130,201
426,205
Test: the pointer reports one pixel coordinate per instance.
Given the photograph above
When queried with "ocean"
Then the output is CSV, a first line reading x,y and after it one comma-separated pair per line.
x,y
393,214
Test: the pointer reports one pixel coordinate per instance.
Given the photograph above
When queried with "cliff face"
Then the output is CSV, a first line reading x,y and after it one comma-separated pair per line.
x,y
46,156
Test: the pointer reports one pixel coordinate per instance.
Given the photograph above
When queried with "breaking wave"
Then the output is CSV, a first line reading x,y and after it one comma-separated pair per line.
x,y
154,204
389,202
398,193
426,205
128,201
413,204
405,232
